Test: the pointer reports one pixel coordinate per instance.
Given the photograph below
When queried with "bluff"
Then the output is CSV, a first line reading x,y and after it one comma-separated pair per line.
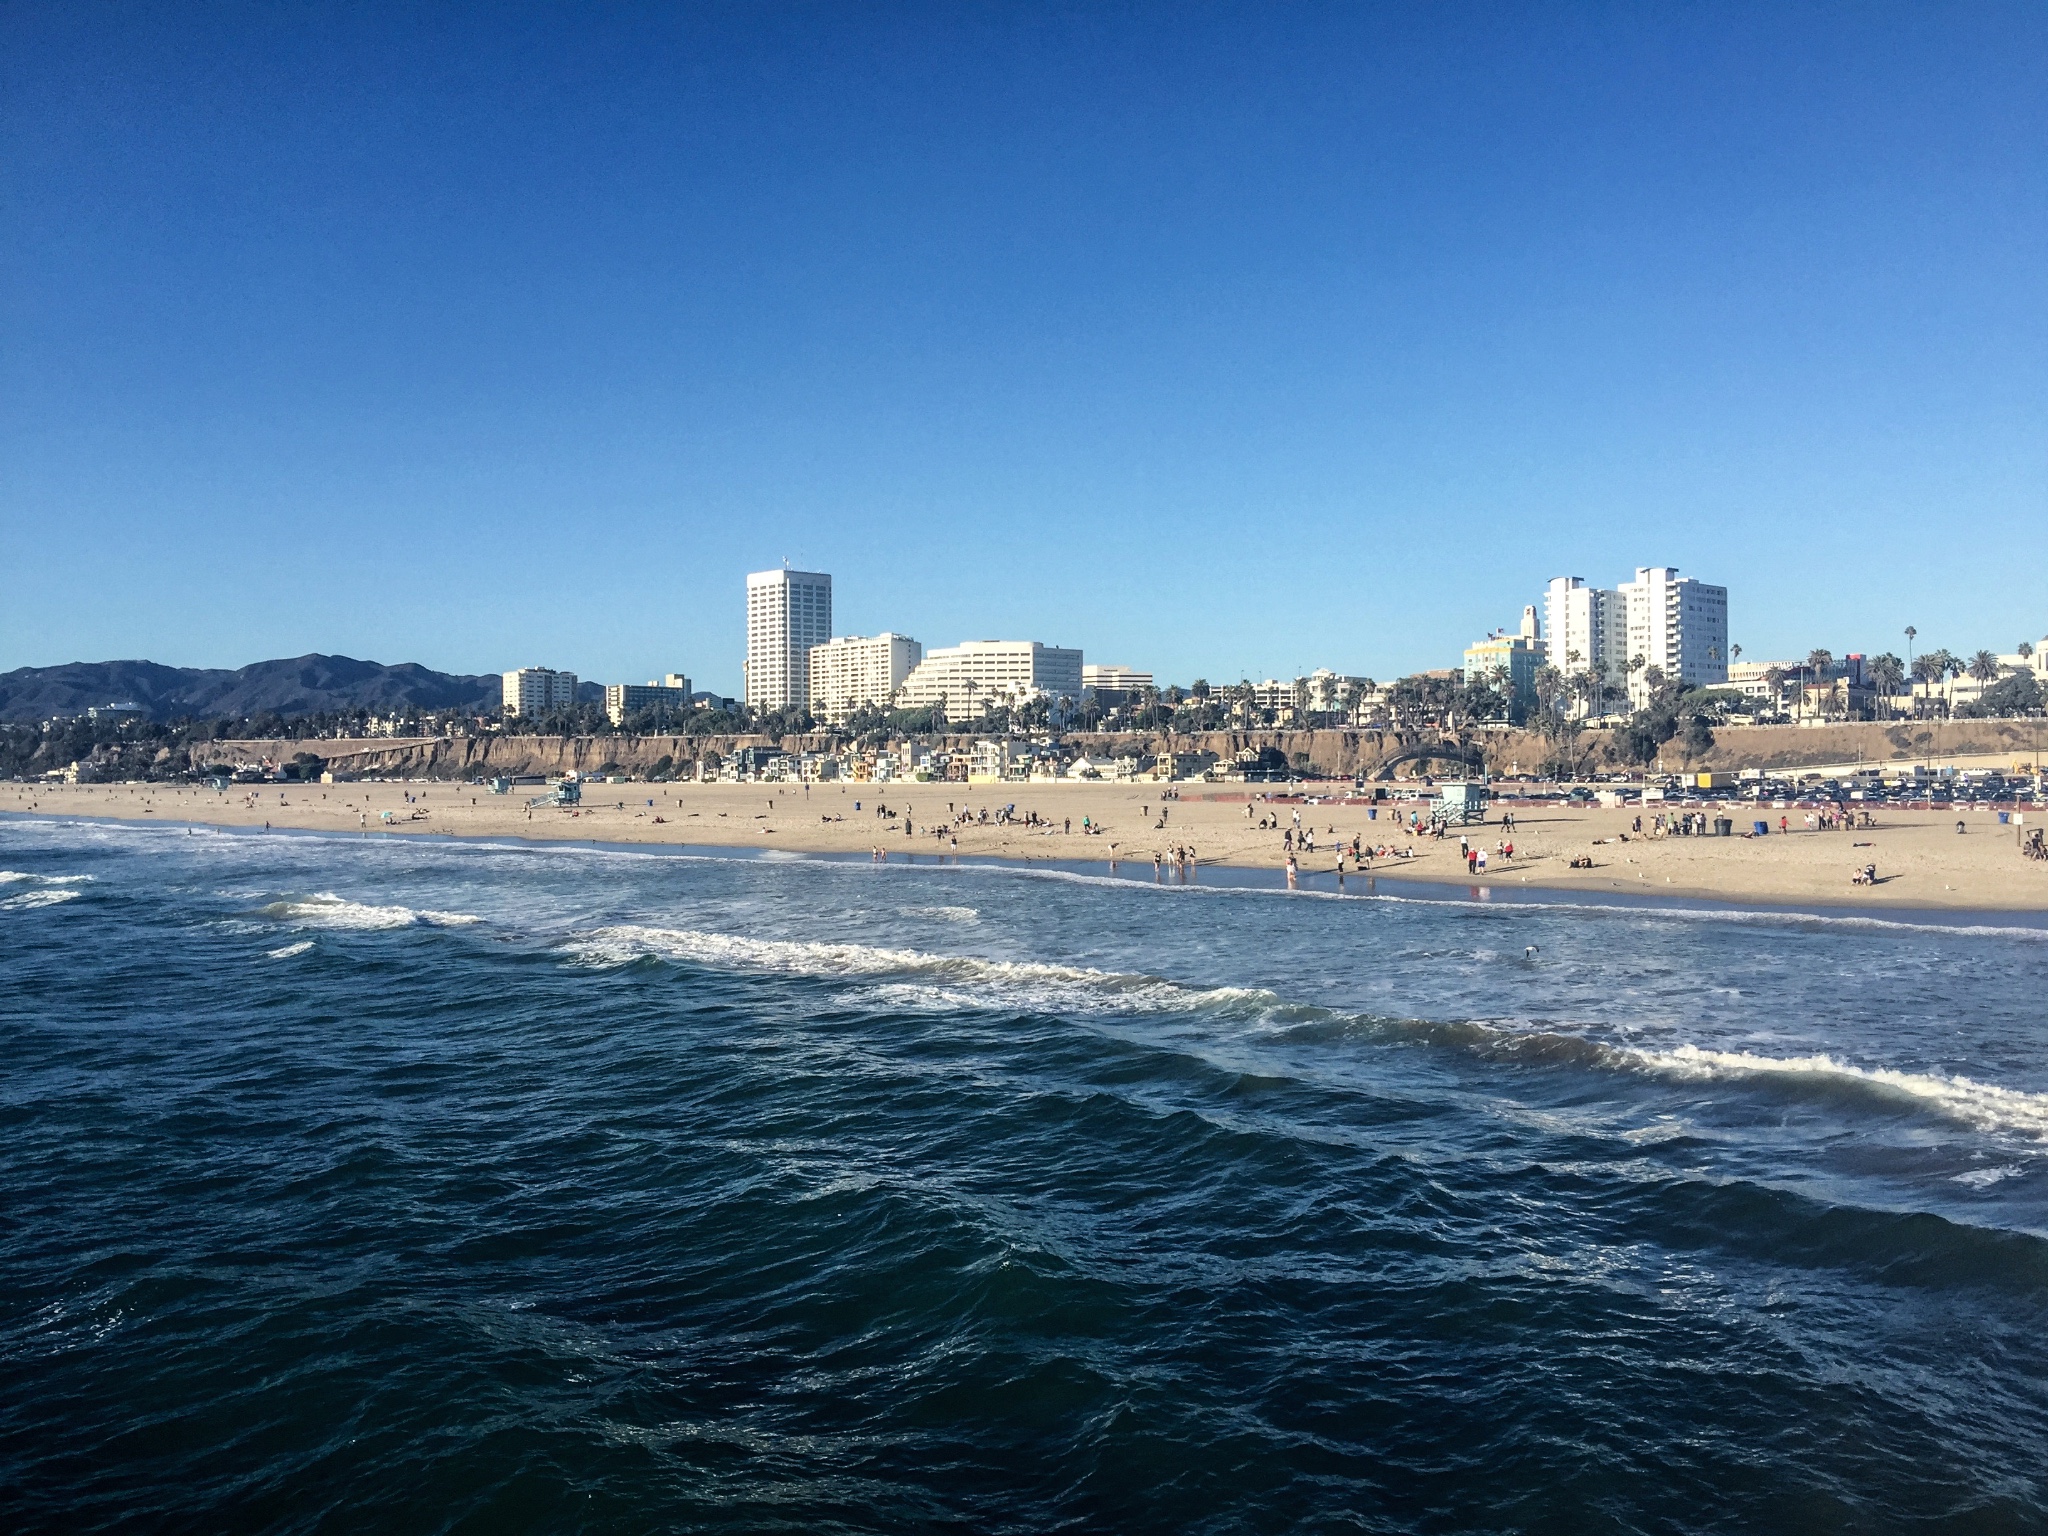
x,y
1335,753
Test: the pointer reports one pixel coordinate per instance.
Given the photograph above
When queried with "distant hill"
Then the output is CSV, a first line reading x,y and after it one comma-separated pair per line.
x,y
304,685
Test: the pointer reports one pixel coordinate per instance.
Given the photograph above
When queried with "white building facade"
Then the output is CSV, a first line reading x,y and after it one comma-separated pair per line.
x,y
788,612
977,676
1586,630
532,690
1676,624
1122,683
623,699
849,673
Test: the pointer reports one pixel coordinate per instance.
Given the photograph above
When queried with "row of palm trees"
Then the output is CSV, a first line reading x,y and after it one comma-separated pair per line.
x,y
1887,674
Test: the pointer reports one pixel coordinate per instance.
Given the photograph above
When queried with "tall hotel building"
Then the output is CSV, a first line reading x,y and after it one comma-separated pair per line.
x,y
1677,625
850,672
1586,629
788,612
534,690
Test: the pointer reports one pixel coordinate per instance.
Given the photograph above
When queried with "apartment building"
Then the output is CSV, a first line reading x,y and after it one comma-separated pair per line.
x,y
623,699
1678,625
1586,629
788,612
977,676
1520,656
534,690
849,673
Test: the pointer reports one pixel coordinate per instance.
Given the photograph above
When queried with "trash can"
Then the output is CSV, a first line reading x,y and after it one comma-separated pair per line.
x,y
1724,826
1372,813
1763,828
2004,817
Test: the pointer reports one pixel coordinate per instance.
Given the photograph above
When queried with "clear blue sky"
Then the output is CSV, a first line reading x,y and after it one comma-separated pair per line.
x,y
1222,341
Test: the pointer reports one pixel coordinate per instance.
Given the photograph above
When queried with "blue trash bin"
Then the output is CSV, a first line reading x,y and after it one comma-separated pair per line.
x,y
2004,818
1372,813
1763,828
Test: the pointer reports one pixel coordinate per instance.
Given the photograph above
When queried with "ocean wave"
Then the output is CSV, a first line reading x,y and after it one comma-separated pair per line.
x,y
28,900
9,876
996,983
1984,1106
327,910
291,949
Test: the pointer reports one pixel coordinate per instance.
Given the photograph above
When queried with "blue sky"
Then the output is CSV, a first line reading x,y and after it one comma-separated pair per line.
x,y
1222,341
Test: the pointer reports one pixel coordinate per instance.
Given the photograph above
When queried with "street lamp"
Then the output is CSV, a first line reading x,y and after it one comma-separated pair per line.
x,y
1910,633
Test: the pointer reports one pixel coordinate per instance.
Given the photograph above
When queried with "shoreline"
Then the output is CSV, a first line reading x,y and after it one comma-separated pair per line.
x,y
1922,863
1220,877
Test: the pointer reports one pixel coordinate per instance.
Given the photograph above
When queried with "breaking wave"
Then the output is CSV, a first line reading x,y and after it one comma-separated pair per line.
x,y
31,899
1985,1106
998,983
327,910
289,950
921,979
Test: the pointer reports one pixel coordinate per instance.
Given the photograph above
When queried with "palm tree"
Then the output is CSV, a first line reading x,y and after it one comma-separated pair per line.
x,y
1886,673
1926,669
1820,665
1774,679
1735,653
1945,664
1984,667
1550,687
2026,650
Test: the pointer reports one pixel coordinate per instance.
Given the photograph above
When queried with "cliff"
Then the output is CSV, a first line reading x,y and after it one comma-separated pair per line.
x,y
1337,753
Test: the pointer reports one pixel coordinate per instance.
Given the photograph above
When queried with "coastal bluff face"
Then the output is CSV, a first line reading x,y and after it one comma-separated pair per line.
x,y
1337,753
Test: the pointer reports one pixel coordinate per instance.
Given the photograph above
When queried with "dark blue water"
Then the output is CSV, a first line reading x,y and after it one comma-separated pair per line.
x,y
378,1185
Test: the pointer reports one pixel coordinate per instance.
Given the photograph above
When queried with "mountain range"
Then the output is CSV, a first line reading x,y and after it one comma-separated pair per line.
x,y
302,685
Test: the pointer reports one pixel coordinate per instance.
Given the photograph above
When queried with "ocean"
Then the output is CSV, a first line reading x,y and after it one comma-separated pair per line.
x,y
382,1184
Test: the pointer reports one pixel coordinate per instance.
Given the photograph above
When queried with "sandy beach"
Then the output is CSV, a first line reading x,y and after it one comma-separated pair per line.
x,y
1922,861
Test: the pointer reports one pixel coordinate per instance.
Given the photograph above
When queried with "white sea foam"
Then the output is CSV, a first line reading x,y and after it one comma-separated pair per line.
x,y
944,914
29,900
8,876
1985,1106
1984,1178
956,978
327,910
291,949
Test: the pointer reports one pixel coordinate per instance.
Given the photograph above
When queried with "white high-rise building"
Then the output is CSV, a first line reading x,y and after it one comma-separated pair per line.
x,y
1676,624
788,612
979,675
622,699
530,690
1586,630
851,672
1112,684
